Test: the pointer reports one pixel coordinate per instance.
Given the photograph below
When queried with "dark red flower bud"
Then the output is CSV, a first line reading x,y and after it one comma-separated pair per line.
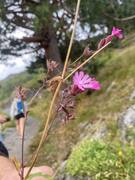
x,y
108,39
101,43
87,52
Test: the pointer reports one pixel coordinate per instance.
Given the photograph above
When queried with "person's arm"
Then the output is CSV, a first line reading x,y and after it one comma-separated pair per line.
x,y
7,169
9,172
12,110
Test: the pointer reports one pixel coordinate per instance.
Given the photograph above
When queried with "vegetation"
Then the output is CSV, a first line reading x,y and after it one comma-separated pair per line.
x,y
30,81
50,22
115,70
94,108
100,160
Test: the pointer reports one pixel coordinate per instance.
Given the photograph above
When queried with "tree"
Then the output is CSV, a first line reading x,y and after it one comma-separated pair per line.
x,y
51,23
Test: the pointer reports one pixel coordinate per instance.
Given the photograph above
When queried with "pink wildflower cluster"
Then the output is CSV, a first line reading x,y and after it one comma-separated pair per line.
x,y
116,32
83,82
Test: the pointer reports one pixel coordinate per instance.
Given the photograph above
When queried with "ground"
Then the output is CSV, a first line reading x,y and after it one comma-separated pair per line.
x,y
13,142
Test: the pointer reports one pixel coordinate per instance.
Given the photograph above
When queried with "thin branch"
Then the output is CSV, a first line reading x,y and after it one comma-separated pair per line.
x,y
45,132
86,61
126,18
30,2
33,51
120,19
67,9
22,150
36,94
16,12
76,60
33,39
19,24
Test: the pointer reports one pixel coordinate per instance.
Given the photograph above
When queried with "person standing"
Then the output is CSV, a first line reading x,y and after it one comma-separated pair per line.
x,y
19,110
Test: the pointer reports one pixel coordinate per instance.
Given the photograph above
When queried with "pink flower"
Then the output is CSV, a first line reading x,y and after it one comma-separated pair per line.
x,y
117,32
82,82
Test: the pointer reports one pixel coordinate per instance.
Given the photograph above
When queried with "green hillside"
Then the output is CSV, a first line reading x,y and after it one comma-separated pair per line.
x,y
8,85
95,112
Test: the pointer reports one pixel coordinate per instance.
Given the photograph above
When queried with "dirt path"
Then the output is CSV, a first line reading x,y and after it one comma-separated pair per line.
x,y
13,142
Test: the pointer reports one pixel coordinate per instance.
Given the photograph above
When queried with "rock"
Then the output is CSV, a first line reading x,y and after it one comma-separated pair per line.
x,y
127,124
132,96
83,125
97,130
62,175
13,142
112,85
128,118
69,177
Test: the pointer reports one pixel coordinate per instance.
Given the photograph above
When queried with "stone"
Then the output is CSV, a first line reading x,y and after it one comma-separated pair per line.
x,y
128,118
127,123
132,96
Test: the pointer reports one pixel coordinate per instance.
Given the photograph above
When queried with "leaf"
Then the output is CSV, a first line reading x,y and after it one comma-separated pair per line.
x,y
16,163
39,174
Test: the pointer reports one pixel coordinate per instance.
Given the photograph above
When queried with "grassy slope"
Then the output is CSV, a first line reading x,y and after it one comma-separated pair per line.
x,y
117,79
8,85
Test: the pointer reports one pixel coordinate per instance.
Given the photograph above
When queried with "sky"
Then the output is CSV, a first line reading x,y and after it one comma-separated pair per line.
x,y
16,64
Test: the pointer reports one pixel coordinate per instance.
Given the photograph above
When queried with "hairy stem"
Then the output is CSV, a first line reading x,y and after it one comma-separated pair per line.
x,y
76,60
45,131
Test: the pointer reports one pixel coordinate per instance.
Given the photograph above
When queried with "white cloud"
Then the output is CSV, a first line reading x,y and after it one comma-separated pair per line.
x,y
16,64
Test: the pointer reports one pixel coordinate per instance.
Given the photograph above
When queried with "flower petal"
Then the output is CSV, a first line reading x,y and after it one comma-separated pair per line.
x,y
117,32
76,78
81,75
82,82
85,78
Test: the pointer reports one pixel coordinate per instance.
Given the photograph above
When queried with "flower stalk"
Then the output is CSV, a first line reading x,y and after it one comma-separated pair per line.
x,y
45,132
76,60
86,61
81,81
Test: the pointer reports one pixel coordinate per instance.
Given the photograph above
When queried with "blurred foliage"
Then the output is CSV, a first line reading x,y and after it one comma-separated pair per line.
x,y
35,66
100,160
117,80
96,18
106,13
28,80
